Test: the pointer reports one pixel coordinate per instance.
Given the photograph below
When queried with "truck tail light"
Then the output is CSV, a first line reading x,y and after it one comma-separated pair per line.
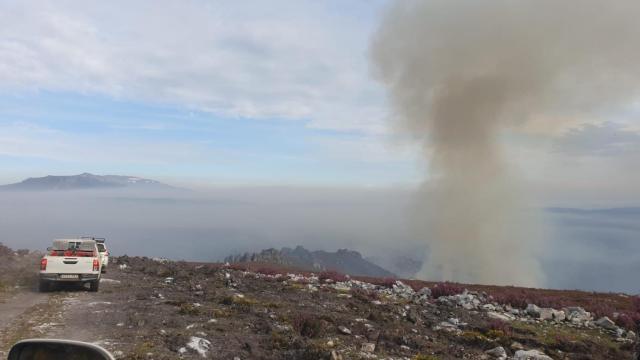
x,y
43,264
96,264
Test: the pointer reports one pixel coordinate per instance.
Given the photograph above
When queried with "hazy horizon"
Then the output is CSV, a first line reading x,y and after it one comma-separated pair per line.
x,y
588,250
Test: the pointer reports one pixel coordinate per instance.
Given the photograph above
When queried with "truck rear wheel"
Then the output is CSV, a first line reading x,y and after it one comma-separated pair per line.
x,y
43,286
94,285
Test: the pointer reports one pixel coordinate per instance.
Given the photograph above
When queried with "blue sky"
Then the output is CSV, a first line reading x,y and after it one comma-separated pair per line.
x,y
248,93
106,135
225,92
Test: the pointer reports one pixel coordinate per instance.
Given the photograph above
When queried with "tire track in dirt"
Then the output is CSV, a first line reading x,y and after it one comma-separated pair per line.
x,y
24,315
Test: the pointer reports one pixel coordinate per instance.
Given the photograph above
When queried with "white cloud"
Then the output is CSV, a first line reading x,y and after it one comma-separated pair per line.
x,y
259,59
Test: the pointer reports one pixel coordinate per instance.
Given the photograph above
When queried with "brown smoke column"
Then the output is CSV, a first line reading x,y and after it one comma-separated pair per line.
x,y
460,73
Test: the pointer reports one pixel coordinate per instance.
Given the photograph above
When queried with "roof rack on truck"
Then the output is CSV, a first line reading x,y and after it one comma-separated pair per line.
x,y
97,239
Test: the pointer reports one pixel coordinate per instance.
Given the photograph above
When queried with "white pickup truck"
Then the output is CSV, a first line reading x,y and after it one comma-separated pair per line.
x,y
71,261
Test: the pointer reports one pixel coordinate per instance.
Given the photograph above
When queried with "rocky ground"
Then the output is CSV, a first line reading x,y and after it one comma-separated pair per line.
x,y
157,309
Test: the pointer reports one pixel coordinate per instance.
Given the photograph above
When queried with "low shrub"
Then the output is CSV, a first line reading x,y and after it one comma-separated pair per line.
x,y
332,275
308,325
499,326
446,289
267,271
424,357
189,309
629,321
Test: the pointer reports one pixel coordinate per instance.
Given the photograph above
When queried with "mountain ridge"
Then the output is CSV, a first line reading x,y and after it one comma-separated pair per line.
x,y
343,260
83,181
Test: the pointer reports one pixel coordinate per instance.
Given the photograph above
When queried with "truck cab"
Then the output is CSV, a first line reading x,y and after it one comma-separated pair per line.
x,y
71,261
104,253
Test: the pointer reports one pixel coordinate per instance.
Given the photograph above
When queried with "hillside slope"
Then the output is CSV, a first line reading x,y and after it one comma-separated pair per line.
x,y
153,308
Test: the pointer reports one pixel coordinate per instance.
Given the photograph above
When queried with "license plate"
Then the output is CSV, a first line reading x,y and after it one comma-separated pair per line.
x,y
68,276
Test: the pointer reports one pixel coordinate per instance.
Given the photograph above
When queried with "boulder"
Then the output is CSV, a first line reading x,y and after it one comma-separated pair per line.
x,y
422,295
533,310
606,323
558,315
577,315
499,316
530,355
489,307
545,314
497,353
403,290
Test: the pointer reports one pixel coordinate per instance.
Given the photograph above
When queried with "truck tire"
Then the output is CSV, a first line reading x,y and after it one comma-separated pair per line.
x,y
94,285
43,286
103,270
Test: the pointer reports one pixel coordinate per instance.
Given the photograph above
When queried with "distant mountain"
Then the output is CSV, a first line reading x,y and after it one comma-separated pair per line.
x,y
344,261
403,266
83,182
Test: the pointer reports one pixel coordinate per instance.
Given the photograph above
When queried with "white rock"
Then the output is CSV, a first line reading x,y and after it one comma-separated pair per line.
x,y
533,310
498,353
200,345
545,314
606,323
577,315
558,315
530,355
344,330
402,290
368,347
489,307
500,316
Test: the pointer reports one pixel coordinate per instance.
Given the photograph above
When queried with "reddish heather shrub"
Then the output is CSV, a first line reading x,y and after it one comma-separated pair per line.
x,y
332,275
636,303
629,321
267,271
446,289
513,299
601,309
239,267
386,282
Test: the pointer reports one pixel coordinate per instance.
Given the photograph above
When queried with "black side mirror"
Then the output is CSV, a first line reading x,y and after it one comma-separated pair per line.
x,y
51,349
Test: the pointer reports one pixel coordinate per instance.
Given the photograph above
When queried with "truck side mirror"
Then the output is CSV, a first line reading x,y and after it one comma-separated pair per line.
x,y
49,249
34,349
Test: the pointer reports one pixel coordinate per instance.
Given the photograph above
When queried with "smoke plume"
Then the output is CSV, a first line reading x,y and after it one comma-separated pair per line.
x,y
460,73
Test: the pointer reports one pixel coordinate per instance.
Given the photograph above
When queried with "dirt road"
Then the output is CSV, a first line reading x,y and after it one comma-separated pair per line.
x,y
69,313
